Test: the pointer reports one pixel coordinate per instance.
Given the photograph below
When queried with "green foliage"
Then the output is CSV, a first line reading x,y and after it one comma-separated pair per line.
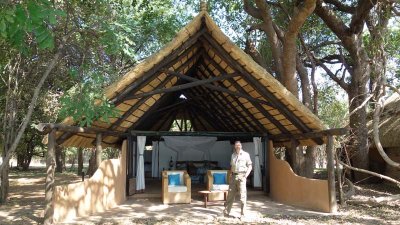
x,y
108,43
27,23
86,102
332,110
110,153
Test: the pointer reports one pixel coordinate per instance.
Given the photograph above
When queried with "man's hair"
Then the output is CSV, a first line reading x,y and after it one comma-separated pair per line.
x,y
238,142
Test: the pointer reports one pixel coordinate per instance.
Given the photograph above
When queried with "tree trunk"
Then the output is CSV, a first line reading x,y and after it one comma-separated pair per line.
x,y
15,140
309,162
24,158
80,161
59,163
92,164
352,37
309,158
4,185
289,52
49,186
358,120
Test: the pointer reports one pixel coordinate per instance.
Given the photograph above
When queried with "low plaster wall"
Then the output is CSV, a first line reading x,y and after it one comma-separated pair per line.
x,y
289,188
104,190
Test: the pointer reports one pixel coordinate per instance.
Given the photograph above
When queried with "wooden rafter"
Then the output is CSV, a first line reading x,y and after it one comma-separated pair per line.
x,y
264,91
227,113
209,116
257,123
205,103
153,109
194,57
149,75
221,89
227,116
193,115
275,122
182,86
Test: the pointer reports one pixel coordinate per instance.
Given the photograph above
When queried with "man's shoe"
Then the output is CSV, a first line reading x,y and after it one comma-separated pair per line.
x,y
242,217
225,213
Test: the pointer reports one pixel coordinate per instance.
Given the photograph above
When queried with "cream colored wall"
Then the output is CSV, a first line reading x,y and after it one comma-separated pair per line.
x,y
104,190
289,188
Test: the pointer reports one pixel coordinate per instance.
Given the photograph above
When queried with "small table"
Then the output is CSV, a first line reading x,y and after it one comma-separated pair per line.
x,y
205,193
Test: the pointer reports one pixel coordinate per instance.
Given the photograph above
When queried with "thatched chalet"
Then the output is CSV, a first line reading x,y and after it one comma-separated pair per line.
x,y
389,135
220,94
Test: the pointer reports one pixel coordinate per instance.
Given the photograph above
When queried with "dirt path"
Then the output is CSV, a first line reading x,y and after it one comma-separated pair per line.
x,y
26,202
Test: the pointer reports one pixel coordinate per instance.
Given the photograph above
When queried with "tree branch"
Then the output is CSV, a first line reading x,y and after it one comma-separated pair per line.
x,y
371,173
251,10
340,82
341,6
33,102
324,44
289,52
360,15
332,21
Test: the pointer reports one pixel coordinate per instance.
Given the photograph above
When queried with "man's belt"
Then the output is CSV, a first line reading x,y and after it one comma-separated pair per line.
x,y
238,173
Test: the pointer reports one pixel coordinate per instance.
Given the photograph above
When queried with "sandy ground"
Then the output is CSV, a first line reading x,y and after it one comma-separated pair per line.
x,y
27,199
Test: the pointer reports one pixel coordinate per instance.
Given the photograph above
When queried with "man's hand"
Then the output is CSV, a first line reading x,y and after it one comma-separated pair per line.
x,y
248,170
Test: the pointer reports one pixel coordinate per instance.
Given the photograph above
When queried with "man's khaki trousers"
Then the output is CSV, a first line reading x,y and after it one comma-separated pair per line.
x,y
237,185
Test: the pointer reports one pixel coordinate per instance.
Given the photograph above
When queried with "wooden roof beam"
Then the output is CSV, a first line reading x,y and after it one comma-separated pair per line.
x,y
217,98
182,86
157,73
261,89
228,117
225,121
171,59
255,121
207,134
221,89
262,110
209,116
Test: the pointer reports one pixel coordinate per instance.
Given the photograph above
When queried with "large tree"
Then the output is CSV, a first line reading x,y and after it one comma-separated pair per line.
x,y
54,46
282,23
348,21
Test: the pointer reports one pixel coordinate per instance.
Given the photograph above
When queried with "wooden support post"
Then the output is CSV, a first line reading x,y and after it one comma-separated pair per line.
x,y
267,177
294,156
331,175
339,180
80,161
49,186
99,149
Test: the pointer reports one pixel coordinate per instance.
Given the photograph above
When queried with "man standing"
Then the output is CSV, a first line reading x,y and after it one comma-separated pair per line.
x,y
240,169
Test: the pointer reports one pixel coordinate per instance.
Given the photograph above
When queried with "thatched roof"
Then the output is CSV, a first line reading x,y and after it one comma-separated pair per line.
x,y
243,98
389,124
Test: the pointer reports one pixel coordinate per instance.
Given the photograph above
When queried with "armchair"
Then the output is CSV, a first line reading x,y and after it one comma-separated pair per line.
x,y
217,180
176,187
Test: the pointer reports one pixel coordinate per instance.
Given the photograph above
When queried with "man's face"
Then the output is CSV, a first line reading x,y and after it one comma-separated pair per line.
x,y
238,146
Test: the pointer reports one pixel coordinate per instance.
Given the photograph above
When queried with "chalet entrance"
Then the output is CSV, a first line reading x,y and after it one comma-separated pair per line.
x,y
195,152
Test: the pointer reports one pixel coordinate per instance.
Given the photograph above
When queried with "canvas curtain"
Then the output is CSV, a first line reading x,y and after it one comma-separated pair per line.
x,y
141,141
186,143
154,160
257,168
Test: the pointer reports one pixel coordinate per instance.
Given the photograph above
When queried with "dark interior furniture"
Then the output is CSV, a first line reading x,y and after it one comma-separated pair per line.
x,y
197,169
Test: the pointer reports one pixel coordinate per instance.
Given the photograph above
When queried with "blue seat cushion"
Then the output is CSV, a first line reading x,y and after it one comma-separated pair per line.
x,y
173,180
219,178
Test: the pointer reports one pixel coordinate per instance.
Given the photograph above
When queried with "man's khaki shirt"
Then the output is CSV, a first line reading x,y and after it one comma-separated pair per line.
x,y
240,162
